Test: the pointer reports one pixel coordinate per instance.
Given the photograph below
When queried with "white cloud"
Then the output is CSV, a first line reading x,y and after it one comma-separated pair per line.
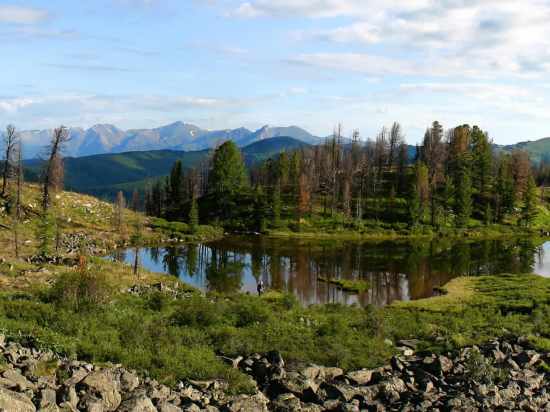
x,y
381,110
372,80
477,91
11,107
314,8
23,15
481,39
224,49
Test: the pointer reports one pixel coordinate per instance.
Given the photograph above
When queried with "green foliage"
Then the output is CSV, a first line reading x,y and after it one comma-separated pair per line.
x,y
45,232
463,197
228,174
194,216
482,159
506,190
413,208
488,214
81,290
260,210
529,209
275,204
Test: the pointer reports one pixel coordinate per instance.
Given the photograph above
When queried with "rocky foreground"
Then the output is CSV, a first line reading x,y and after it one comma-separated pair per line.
x,y
502,375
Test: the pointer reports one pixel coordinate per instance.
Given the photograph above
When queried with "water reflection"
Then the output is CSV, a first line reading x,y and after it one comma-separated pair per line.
x,y
397,270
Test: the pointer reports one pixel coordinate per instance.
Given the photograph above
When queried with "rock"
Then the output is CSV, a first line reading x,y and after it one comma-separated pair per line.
x,y
50,408
98,382
275,359
409,343
14,375
359,378
168,407
15,402
245,403
128,381
137,404
46,397
68,394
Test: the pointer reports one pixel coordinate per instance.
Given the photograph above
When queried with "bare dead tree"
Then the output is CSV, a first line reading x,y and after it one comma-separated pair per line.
x,y
120,212
10,141
395,140
53,151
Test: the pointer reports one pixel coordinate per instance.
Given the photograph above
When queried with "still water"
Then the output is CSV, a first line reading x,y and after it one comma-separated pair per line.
x,y
397,269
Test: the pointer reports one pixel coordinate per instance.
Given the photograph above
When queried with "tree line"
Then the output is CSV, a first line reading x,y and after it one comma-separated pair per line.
x,y
454,176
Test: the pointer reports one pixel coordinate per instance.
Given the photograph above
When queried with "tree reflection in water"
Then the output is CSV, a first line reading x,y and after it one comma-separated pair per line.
x,y
397,270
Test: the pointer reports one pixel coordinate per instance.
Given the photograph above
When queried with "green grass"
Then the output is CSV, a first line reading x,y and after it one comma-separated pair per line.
x,y
172,340
353,286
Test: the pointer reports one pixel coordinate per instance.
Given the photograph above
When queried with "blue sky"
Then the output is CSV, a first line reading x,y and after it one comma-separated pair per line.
x,y
310,63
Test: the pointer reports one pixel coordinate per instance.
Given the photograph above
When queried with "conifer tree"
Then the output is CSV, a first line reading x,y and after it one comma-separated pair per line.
x,y
482,158
260,218
448,197
413,208
275,203
529,209
228,174
135,200
506,190
463,197
194,216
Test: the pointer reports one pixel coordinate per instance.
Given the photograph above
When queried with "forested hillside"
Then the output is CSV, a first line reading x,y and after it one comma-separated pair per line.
x,y
456,183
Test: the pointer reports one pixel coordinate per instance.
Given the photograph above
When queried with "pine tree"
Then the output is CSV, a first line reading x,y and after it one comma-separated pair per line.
x,y
135,200
506,190
260,218
413,208
529,209
194,216
488,214
275,203
228,174
463,198
482,159
448,197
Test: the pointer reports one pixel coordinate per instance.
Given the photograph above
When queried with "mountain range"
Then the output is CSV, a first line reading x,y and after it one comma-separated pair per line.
x,y
106,138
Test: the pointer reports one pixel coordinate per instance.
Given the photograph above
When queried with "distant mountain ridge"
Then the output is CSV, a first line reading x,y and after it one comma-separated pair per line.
x,y
104,174
106,138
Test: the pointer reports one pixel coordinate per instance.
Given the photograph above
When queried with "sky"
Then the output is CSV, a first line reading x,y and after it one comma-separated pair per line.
x,y
308,63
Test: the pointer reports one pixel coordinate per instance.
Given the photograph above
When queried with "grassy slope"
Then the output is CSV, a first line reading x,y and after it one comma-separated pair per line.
x,y
538,148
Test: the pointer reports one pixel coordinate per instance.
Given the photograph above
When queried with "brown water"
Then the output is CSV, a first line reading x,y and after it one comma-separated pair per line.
x,y
397,270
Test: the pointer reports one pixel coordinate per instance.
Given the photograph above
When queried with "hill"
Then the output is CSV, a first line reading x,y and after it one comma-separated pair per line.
x,y
538,148
105,174
100,170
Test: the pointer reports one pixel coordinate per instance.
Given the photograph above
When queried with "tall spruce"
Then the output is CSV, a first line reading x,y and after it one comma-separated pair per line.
x,y
413,208
194,216
482,156
227,175
275,204
463,197
529,209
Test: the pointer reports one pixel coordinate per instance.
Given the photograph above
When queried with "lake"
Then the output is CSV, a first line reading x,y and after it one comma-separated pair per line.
x,y
397,269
